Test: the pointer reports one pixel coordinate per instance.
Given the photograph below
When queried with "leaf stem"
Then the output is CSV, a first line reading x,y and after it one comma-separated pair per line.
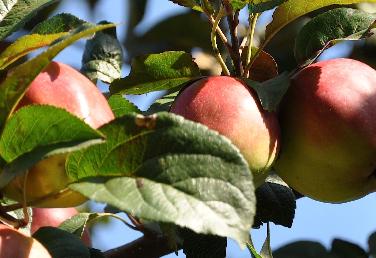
x,y
252,21
220,15
233,22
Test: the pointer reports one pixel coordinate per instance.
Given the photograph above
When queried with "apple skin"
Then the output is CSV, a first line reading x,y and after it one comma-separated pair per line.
x,y
229,107
62,86
328,124
53,217
14,244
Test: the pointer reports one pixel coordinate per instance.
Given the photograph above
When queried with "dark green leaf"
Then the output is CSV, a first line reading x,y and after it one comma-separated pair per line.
x,y
259,6
271,92
42,125
18,80
136,13
152,167
121,106
103,56
275,203
157,72
194,4
239,4
170,35
95,253
62,22
300,249
372,244
329,28
203,246
14,14
344,249
61,243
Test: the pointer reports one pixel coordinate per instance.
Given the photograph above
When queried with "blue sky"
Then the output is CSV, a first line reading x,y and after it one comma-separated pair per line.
x,y
353,221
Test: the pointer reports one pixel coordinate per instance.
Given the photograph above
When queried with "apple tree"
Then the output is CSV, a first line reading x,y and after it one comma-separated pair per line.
x,y
246,122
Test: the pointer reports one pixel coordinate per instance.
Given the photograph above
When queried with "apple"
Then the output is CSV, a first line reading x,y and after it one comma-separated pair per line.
x,y
230,107
14,244
328,124
62,86
53,217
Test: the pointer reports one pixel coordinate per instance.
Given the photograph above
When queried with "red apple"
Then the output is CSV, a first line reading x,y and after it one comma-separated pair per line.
x,y
53,217
62,86
328,124
228,106
14,244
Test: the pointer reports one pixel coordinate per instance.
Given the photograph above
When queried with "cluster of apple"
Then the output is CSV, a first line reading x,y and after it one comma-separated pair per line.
x,y
322,140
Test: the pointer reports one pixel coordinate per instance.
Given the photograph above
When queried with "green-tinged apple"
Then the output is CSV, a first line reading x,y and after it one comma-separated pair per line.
x,y
227,105
62,86
328,124
53,217
14,244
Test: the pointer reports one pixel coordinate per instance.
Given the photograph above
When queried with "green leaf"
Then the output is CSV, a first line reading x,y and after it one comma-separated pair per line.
x,y
103,56
19,78
275,203
121,106
193,4
166,169
60,243
259,6
59,23
157,72
329,28
15,13
345,249
76,225
293,9
299,249
35,132
42,125
271,92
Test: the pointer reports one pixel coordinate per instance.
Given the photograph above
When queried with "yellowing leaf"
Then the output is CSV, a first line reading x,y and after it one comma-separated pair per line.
x,y
25,45
293,9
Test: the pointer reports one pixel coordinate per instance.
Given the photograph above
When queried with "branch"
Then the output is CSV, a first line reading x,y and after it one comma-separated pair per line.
x,y
148,246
